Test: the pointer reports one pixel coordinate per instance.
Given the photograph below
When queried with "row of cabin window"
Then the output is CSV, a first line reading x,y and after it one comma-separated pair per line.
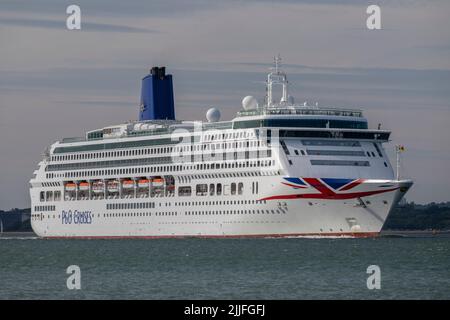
x,y
202,189
198,159
172,213
189,213
225,136
137,214
50,196
44,208
225,202
253,211
138,152
109,215
138,205
218,145
122,153
202,166
222,145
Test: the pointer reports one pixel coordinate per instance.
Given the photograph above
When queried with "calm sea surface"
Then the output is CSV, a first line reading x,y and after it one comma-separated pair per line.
x,y
411,268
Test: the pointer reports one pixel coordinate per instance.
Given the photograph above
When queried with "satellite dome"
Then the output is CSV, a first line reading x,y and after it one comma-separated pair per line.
x,y
249,103
213,115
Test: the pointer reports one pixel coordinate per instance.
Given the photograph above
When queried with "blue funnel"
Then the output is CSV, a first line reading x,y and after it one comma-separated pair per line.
x,y
157,96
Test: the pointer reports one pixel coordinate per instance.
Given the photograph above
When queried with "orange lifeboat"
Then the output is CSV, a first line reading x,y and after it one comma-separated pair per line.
x,y
71,186
84,186
143,183
157,181
128,184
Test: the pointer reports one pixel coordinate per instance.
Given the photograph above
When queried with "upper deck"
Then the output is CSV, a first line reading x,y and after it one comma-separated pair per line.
x,y
138,134
291,120
288,116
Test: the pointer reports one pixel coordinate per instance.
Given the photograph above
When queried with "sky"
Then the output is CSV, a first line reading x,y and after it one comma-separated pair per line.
x,y
57,83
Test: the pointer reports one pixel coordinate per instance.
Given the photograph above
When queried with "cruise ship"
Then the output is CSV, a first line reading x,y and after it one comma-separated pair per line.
x,y
278,169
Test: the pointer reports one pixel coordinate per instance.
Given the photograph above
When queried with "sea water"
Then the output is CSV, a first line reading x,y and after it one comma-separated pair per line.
x,y
295,268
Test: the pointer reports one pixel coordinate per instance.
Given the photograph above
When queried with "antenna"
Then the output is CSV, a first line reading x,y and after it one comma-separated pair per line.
x,y
277,63
278,77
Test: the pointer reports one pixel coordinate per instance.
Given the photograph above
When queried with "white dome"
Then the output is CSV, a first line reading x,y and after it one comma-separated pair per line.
x,y
249,103
213,115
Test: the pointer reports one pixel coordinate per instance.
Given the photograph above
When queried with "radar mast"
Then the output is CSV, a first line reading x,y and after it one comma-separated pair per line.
x,y
276,77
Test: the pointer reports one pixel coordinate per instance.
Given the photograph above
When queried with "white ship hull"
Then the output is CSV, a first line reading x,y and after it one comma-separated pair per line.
x,y
283,214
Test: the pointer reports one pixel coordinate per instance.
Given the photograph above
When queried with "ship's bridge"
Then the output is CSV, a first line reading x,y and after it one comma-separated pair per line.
x,y
302,110
301,117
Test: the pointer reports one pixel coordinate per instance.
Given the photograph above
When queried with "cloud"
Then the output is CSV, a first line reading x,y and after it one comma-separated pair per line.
x,y
60,25
113,8
158,8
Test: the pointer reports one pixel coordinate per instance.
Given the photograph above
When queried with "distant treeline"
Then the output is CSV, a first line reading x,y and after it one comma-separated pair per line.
x,y
409,216
15,220
16,210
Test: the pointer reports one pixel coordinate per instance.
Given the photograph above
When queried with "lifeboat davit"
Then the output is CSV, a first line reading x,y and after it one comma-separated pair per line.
x,y
97,187
113,186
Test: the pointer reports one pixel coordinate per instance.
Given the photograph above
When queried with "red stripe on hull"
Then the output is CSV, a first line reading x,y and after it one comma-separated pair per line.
x,y
334,196
352,184
289,235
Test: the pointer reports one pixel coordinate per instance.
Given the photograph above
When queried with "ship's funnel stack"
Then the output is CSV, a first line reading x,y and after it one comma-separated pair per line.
x,y
157,96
